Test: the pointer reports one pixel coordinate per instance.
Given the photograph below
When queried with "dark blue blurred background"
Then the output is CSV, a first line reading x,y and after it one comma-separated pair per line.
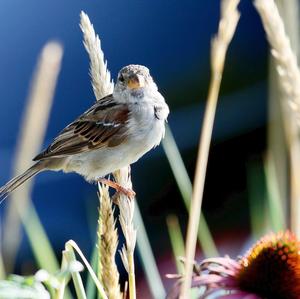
x,y
172,38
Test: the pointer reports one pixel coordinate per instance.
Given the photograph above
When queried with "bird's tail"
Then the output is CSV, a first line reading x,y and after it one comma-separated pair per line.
x,y
20,179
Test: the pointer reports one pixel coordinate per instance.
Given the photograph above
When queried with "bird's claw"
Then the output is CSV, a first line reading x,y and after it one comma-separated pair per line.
x,y
119,189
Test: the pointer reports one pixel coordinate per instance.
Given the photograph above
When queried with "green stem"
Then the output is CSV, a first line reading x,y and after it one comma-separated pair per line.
x,y
177,241
275,205
147,258
63,283
90,286
39,241
2,268
185,187
78,284
71,246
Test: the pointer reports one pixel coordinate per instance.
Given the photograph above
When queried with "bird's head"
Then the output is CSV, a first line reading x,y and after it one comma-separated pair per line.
x,y
134,80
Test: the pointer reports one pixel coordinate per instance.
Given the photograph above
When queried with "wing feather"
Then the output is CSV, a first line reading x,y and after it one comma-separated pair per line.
x,y
103,125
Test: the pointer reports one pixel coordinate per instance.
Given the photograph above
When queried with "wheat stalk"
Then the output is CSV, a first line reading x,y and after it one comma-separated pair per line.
x,y
108,243
107,234
289,80
101,81
35,121
227,26
103,86
126,207
286,60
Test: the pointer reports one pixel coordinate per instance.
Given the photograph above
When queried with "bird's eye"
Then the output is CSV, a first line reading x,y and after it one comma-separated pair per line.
x,y
121,78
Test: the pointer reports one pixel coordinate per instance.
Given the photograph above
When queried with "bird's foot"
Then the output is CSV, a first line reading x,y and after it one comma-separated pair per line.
x,y
119,189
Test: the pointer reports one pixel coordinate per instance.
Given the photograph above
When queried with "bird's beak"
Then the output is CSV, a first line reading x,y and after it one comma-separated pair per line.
x,y
135,82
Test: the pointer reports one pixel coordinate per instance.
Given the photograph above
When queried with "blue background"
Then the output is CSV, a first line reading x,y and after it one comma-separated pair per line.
x,y
173,39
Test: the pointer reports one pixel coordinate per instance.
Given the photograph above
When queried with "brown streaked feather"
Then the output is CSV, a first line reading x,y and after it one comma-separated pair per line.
x,y
103,125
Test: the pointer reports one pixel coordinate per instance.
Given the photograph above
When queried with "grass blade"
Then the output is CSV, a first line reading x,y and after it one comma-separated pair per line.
x,y
177,241
69,256
39,242
147,258
185,187
35,120
275,206
71,246
90,286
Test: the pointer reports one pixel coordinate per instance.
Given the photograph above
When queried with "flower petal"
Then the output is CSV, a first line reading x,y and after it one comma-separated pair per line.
x,y
221,270
223,261
209,279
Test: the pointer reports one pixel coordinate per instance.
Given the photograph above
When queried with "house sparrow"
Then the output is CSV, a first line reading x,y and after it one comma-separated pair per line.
x,y
115,132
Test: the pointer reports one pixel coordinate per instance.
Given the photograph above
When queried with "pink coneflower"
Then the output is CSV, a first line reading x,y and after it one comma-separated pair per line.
x,y
269,270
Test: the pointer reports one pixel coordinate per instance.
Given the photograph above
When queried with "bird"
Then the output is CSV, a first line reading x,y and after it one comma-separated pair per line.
x,y
113,133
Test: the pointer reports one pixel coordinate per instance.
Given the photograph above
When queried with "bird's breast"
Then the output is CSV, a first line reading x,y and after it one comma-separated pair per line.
x,y
144,132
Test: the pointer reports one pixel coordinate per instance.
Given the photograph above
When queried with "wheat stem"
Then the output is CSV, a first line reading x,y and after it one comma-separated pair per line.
x,y
227,25
131,275
108,243
126,207
289,80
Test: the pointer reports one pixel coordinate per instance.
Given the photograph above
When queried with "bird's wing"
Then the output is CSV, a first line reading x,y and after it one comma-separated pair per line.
x,y
103,125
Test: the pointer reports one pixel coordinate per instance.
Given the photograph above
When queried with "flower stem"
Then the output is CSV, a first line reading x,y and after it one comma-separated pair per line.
x,y
69,255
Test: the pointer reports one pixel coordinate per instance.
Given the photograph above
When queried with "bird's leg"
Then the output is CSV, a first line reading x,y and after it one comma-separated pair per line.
x,y
119,189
